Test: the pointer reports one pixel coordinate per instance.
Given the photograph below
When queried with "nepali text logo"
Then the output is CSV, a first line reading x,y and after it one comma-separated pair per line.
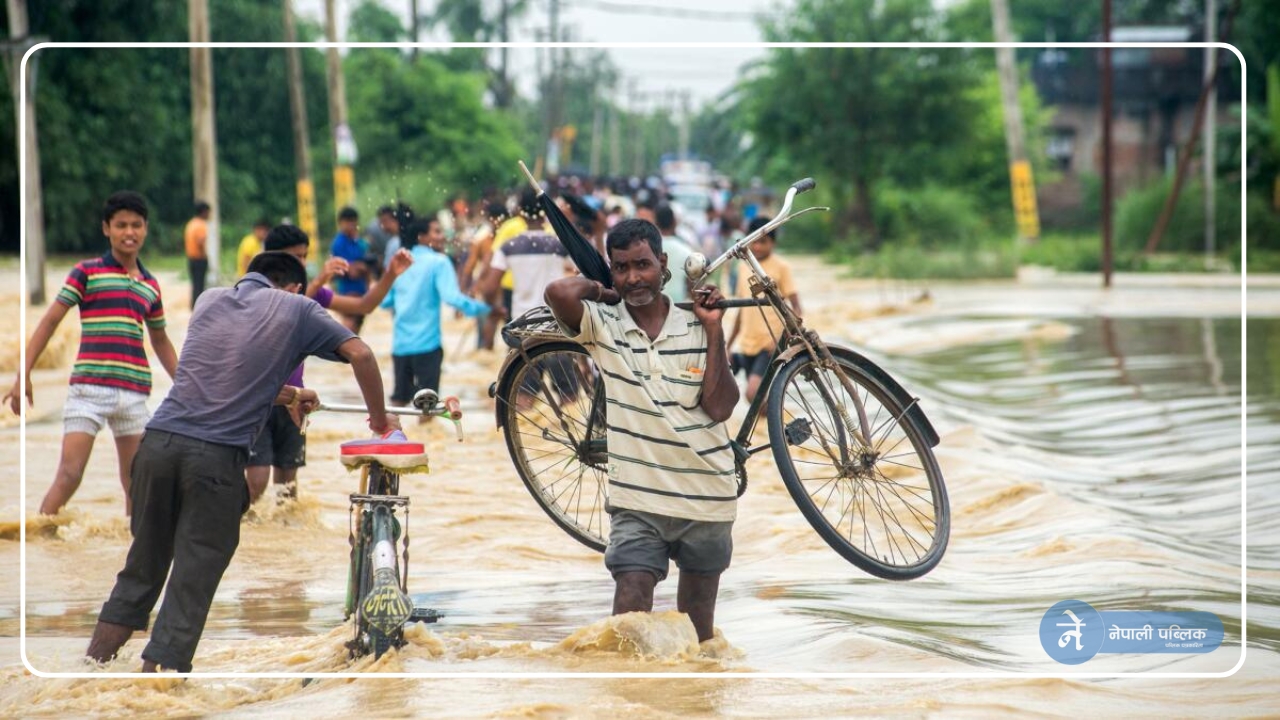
x,y
1071,632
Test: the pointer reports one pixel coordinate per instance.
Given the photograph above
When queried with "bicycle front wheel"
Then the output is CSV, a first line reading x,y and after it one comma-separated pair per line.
x,y
881,505
553,407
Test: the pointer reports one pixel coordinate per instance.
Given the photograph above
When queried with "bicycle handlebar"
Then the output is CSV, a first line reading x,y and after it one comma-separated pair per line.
x,y
784,214
452,409
729,303
804,186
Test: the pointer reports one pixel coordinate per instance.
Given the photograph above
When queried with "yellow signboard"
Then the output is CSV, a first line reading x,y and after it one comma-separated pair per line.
x,y
307,215
344,187
1024,200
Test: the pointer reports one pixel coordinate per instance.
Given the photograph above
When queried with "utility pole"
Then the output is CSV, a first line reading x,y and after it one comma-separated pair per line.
x,y
1210,129
33,237
615,143
301,145
684,125
413,26
1273,114
597,133
1024,189
504,80
544,85
1106,145
344,145
637,129
204,144
554,110
1184,157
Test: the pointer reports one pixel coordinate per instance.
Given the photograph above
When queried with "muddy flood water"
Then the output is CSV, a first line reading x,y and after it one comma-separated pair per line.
x,y
1091,445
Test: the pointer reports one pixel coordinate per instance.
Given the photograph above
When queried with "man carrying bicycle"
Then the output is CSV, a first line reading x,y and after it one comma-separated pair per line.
x,y
672,487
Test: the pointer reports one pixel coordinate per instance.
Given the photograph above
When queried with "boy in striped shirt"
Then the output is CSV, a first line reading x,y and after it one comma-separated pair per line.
x,y
672,487
111,378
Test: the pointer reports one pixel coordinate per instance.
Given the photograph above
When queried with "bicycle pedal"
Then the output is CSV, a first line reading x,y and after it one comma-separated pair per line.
x,y
798,431
425,615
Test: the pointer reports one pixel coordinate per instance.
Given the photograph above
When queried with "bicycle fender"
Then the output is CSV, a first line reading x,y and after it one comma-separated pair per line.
x,y
505,377
895,389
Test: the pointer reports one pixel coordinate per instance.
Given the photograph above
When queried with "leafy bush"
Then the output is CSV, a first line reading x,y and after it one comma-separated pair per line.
x,y
910,262
1137,211
929,217
1067,253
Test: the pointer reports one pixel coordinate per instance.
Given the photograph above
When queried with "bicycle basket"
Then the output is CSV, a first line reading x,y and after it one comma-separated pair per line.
x,y
536,324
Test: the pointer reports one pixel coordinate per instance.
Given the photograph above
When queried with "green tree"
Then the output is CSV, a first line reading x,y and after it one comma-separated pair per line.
x,y
861,116
370,22
422,115
468,21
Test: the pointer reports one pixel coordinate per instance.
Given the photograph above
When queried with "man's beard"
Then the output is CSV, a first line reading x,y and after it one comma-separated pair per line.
x,y
639,296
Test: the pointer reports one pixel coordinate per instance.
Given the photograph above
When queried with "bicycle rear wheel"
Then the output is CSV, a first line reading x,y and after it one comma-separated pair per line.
x,y
553,408
374,525
882,506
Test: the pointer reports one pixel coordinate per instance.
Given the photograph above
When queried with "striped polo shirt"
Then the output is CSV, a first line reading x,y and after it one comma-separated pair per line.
x,y
113,309
666,456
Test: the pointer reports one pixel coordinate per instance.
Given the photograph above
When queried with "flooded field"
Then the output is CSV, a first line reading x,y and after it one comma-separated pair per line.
x,y
1091,445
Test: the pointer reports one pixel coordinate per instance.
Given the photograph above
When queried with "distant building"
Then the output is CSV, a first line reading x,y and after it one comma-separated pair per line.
x,y
1154,94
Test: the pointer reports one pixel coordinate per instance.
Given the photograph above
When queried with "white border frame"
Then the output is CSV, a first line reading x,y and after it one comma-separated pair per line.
x,y
1244,486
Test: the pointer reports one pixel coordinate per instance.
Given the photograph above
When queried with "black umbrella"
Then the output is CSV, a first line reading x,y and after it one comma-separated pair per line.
x,y
584,254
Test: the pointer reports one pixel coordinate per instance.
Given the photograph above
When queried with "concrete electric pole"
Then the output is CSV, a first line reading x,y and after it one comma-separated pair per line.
x,y
301,145
33,238
1024,189
344,144
204,143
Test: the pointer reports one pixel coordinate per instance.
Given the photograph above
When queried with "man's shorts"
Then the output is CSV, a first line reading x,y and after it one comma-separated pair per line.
x,y
645,542
280,443
757,364
89,407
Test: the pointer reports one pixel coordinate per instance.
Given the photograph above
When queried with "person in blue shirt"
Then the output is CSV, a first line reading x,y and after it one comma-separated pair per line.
x,y
417,351
348,245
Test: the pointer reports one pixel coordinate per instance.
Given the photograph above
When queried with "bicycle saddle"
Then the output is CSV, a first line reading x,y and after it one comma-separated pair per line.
x,y
394,452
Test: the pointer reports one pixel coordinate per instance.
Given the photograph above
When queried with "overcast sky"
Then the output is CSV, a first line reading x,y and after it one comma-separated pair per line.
x,y
705,73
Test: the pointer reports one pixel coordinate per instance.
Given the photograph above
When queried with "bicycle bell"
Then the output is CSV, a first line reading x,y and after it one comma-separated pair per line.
x,y
425,399
695,266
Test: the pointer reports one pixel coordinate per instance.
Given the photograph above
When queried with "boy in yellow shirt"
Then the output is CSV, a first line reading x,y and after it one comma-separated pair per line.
x,y
251,245
757,329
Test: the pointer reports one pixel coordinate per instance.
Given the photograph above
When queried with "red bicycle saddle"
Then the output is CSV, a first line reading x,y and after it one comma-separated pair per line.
x,y
382,446
393,451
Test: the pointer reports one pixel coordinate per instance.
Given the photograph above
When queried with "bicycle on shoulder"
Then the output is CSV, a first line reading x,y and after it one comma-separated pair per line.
x,y
378,528
853,447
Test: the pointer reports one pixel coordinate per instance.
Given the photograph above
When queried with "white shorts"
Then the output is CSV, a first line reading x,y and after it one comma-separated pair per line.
x,y
89,407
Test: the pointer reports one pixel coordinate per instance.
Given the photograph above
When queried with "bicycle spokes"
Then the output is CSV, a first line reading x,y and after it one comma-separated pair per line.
x,y
867,482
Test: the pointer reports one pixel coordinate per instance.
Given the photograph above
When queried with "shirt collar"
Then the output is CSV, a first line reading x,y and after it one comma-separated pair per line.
x,y
109,260
675,324
254,278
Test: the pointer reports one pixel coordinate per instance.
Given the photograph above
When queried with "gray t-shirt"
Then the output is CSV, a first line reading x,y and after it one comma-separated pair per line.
x,y
242,343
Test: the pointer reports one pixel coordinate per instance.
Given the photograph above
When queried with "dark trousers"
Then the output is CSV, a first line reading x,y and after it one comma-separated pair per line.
x,y
415,372
197,269
188,496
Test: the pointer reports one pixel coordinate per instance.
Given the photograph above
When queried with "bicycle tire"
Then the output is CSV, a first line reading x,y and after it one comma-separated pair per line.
x,y
370,639
564,471
906,533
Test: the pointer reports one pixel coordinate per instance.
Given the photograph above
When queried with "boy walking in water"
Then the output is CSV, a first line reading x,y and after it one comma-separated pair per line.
x,y
111,378
757,329
281,448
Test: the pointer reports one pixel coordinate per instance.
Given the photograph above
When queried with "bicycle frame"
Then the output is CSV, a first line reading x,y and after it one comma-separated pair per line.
x,y
794,337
